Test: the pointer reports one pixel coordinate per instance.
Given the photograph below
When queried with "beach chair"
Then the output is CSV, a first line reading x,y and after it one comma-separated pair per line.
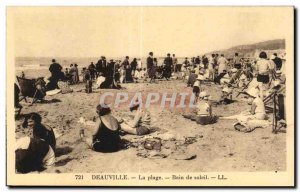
x,y
236,76
28,89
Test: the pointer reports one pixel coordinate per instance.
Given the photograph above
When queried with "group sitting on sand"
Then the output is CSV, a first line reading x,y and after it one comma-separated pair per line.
x,y
38,152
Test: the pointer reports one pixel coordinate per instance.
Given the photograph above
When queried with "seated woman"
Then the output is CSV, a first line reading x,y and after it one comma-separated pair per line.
x,y
203,115
33,154
219,77
225,78
105,135
40,131
226,97
140,125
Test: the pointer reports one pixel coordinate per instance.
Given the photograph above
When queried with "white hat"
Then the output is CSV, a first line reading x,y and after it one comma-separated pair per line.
x,y
200,77
203,94
227,90
234,70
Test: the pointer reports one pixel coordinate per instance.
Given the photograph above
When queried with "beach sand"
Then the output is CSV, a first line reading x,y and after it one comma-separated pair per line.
x,y
218,147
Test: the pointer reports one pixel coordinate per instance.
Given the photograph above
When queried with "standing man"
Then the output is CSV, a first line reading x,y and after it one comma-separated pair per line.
x,y
205,61
56,75
92,70
277,61
168,66
124,67
133,66
263,68
150,65
55,69
211,67
174,61
237,61
197,60
222,63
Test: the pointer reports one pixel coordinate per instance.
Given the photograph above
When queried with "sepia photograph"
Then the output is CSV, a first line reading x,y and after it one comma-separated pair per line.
x,y
150,96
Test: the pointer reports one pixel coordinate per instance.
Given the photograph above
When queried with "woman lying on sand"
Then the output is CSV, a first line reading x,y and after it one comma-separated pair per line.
x,y
250,120
33,154
40,131
140,125
105,135
257,111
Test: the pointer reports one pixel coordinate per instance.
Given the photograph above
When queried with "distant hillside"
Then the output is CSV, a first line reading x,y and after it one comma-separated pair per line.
x,y
250,50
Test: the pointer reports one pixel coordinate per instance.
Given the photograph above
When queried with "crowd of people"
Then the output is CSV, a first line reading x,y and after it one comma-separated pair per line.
x,y
255,77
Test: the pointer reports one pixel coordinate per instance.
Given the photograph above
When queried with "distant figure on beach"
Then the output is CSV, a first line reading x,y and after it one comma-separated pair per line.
x,y
72,73
205,61
168,67
139,63
211,68
197,60
277,61
56,75
123,69
174,63
140,124
263,67
237,61
33,154
222,64
104,137
133,66
101,65
150,65
76,79
92,69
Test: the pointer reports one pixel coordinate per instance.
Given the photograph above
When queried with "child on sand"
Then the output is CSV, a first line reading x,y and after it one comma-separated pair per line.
x,y
203,115
197,86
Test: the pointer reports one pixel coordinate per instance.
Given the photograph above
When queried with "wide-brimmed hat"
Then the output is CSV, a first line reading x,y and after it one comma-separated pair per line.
x,y
227,90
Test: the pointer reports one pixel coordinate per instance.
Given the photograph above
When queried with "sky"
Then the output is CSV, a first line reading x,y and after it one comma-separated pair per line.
x,y
135,31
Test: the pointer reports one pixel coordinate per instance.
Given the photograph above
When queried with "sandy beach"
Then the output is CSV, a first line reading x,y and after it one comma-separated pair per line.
x,y
218,147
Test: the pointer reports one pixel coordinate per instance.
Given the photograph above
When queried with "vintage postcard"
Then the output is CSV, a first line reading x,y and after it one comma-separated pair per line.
x,y
150,96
